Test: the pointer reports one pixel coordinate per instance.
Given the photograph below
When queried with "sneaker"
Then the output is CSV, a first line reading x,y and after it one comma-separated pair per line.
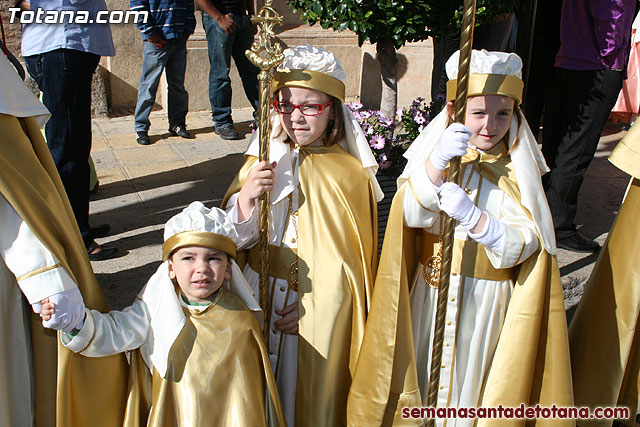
x,y
227,132
179,130
142,138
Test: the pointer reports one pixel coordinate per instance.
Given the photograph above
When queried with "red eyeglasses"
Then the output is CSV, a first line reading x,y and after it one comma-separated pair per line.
x,y
305,109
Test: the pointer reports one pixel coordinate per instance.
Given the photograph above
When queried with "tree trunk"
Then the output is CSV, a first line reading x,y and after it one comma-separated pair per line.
x,y
386,51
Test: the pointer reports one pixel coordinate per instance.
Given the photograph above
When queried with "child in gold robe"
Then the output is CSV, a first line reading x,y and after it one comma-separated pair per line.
x,y
322,236
505,336
195,331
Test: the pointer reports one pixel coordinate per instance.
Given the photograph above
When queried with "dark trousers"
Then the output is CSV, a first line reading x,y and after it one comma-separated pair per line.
x,y
64,77
573,121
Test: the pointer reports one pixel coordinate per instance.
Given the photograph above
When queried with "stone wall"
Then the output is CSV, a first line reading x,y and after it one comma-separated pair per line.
x,y
116,83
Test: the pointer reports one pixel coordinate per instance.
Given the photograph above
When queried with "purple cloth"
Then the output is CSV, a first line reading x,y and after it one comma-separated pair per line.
x,y
595,34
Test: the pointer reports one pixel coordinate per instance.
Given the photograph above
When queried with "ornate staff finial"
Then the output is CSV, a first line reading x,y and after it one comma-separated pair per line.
x,y
265,55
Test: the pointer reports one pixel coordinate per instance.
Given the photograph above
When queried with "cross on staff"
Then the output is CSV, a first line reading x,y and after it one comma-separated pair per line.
x,y
265,55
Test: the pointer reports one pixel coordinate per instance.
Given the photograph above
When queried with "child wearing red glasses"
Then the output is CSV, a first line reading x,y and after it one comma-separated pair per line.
x,y
323,234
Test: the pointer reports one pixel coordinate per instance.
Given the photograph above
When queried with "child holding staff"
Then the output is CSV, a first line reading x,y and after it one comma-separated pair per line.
x,y
505,327
322,249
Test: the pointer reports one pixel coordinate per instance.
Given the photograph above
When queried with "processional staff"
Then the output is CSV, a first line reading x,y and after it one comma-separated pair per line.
x,y
466,43
266,56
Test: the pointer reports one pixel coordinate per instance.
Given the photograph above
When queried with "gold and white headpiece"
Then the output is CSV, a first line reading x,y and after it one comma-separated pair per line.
x,y
198,225
313,68
490,73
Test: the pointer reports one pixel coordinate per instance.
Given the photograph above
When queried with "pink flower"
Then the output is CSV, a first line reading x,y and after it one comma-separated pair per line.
x,y
355,105
368,129
419,118
377,142
365,114
386,121
399,112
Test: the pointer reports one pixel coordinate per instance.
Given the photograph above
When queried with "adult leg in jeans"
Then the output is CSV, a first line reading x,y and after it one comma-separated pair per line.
x,y
64,77
248,72
573,122
176,67
219,46
154,60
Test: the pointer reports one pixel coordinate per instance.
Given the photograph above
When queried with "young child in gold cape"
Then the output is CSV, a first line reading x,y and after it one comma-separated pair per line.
x,y
195,331
505,326
322,234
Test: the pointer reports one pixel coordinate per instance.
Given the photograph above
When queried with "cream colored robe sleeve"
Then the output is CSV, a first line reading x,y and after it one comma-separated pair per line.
x,y
38,272
104,334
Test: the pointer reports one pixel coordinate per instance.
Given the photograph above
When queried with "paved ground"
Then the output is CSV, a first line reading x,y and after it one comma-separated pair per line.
x,y
141,187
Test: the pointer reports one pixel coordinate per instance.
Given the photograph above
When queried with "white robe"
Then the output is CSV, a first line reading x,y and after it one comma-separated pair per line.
x,y
476,308
40,275
283,348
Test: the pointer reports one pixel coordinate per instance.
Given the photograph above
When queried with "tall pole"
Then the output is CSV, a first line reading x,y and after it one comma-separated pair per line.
x,y
266,56
466,42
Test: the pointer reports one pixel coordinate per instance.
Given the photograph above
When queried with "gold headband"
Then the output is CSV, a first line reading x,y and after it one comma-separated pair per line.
x,y
311,80
489,84
198,238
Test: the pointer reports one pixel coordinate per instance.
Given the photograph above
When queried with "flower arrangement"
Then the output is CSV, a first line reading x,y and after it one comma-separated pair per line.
x,y
387,147
379,130
418,116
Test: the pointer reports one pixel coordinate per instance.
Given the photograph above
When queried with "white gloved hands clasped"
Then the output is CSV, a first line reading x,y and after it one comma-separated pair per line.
x,y
455,203
69,310
453,143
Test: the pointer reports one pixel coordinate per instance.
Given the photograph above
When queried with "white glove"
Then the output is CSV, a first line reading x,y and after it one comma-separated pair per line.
x,y
493,235
453,143
455,202
69,310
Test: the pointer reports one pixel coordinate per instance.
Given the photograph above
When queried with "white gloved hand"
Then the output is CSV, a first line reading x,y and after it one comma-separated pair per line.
x,y
455,202
453,143
493,235
69,310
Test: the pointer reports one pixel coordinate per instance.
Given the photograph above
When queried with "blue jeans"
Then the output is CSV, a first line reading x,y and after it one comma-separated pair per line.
x,y
222,47
64,78
172,58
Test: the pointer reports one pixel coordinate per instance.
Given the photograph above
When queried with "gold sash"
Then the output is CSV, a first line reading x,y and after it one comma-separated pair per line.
x,y
280,260
476,262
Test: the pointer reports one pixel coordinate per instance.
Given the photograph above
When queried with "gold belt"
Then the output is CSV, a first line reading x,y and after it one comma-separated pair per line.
x,y
281,261
476,263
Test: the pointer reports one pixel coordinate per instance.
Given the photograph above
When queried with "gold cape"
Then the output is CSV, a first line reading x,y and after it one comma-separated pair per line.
x,y
337,260
218,374
531,361
604,332
66,384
